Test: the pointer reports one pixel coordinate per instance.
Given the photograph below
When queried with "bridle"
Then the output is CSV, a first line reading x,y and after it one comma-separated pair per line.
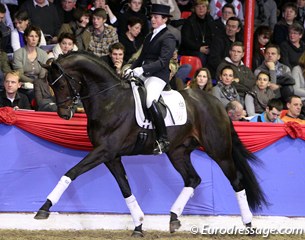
x,y
74,94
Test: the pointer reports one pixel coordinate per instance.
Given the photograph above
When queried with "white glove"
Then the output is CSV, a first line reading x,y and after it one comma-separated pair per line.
x,y
137,72
128,72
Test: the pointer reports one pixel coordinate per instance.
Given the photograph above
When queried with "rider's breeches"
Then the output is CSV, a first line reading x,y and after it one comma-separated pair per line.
x,y
154,87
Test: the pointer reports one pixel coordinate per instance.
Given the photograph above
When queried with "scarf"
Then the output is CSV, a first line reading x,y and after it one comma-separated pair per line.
x,y
228,91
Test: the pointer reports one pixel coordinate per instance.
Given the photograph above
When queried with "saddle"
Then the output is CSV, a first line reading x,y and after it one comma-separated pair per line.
x,y
171,103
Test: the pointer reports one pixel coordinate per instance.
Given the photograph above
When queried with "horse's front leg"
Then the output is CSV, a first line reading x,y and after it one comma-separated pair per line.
x,y
180,158
117,169
93,159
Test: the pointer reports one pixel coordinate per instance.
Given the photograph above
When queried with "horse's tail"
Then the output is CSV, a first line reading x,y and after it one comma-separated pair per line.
x,y
241,155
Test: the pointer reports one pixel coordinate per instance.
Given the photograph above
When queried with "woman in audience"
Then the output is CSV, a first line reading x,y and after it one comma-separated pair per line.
x,y
66,43
202,80
27,60
22,21
131,40
79,28
224,90
298,73
256,101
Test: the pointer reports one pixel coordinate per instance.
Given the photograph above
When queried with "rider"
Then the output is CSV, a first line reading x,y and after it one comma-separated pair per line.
x,y
152,67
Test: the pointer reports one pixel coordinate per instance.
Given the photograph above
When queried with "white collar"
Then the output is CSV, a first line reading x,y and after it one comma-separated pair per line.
x,y
46,3
157,30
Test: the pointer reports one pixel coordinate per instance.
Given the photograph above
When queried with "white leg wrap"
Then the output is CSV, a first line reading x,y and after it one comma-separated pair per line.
x,y
246,214
61,186
135,210
185,195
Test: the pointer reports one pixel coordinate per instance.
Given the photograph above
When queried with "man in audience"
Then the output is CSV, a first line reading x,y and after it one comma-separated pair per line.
x,y
5,31
66,11
102,35
10,97
236,111
115,57
244,78
294,106
272,113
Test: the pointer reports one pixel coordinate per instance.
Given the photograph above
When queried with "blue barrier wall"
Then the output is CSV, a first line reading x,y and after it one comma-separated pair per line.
x,y
31,167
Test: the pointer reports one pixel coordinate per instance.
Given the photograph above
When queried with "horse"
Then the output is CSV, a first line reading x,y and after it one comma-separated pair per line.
x,y
112,129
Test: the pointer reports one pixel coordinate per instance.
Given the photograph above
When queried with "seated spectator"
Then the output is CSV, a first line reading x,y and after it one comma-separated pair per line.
x,y
66,43
131,39
44,15
197,32
111,18
27,60
236,111
292,49
21,20
202,80
301,11
294,106
256,100
4,64
79,28
272,112
280,74
265,13
224,90
217,5
7,18
183,69
11,97
227,11
261,39
133,10
175,82
280,31
115,59
102,35
298,74
66,10
244,79
220,47
5,31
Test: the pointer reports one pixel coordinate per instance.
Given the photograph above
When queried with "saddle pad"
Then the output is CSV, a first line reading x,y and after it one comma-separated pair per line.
x,y
174,101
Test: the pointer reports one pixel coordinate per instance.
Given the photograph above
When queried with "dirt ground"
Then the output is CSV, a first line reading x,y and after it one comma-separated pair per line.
x,y
126,235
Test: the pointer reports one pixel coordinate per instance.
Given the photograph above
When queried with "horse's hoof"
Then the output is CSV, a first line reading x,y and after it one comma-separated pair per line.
x,y
42,214
174,225
137,234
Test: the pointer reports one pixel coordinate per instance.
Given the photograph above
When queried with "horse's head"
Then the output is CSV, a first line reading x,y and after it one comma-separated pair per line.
x,y
65,88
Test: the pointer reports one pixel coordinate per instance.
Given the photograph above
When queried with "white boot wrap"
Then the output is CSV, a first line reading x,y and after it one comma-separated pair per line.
x,y
185,195
135,210
61,186
246,214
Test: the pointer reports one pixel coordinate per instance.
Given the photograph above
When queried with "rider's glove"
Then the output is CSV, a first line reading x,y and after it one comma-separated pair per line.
x,y
137,72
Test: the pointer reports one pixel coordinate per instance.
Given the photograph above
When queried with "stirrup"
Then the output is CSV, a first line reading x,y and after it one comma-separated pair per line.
x,y
161,147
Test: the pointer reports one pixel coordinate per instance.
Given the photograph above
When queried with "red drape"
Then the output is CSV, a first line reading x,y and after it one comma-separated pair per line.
x,y
73,133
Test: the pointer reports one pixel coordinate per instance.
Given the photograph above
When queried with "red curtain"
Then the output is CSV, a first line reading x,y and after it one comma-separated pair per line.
x,y
73,133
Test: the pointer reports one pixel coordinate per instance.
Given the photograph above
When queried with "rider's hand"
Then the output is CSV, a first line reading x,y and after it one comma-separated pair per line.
x,y
137,72
128,72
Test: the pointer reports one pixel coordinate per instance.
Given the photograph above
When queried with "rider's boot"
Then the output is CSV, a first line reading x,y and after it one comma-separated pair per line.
x,y
162,142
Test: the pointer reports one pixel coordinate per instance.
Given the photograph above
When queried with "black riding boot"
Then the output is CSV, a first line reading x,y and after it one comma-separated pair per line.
x,y
162,143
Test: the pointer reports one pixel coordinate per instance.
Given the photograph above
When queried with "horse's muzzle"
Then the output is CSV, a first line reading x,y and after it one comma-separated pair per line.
x,y
65,113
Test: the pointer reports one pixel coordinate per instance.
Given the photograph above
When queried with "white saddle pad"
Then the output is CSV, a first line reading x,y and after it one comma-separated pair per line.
x,y
174,101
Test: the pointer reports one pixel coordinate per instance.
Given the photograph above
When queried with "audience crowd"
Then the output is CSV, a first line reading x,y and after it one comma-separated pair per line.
x,y
38,31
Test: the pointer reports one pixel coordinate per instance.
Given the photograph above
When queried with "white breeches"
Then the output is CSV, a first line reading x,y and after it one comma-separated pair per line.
x,y
154,86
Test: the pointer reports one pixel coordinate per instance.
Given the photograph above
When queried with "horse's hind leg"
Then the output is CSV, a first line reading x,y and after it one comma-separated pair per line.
x,y
180,158
117,169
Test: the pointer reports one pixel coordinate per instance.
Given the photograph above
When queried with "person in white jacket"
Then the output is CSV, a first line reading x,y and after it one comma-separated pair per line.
x,y
66,43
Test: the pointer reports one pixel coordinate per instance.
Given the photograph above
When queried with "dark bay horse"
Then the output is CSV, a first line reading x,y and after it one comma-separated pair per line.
x,y
112,129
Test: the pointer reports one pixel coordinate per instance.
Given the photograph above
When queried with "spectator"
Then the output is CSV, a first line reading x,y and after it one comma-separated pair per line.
x,y
294,106
236,111
265,13
292,49
261,39
301,11
224,90
280,74
280,32
44,96
256,100
66,10
103,35
111,18
22,21
27,60
115,59
227,11
175,82
219,47
131,39
4,64
202,80
5,31
79,28
272,112
11,97
44,15
217,5
66,43
244,78
298,74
